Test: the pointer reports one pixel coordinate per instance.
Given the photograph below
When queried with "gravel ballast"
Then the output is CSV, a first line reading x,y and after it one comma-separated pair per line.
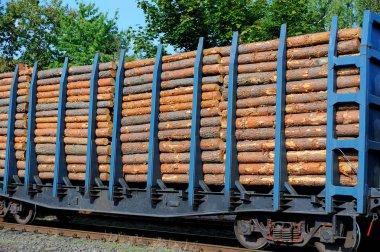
x,y
26,241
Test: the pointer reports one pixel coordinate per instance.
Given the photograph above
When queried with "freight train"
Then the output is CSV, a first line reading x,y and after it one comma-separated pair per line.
x,y
282,134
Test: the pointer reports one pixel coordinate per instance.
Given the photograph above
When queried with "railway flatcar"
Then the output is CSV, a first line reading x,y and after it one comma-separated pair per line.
x,y
282,134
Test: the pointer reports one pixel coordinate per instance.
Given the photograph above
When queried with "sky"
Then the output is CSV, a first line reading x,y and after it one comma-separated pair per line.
x,y
129,14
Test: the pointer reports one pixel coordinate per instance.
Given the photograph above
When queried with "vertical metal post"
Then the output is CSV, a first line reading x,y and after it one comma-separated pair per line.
x,y
280,162
60,168
31,162
10,155
195,170
92,157
368,82
231,171
331,166
116,164
154,169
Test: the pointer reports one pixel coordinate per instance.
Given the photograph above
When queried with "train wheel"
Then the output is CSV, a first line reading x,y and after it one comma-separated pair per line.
x,y
248,234
3,207
349,244
26,215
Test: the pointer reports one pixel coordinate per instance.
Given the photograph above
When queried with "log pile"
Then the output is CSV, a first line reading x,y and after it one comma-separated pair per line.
x,y
305,118
175,114
21,115
76,119
306,106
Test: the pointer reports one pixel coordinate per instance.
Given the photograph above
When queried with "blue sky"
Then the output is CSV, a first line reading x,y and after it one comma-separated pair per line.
x,y
129,14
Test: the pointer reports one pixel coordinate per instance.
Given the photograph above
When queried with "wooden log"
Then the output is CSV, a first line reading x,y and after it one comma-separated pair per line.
x,y
86,98
71,159
74,70
83,132
302,86
249,180
291,75
20,108
87,76
73,119
272,65
291,98
82,176
46,149
50,73
296,41
83,141
174,134
147,78
176,168
314,168
207,156
137,89
6,75
350,130
291,156
168,116
304,119
318,51
214,95
171,92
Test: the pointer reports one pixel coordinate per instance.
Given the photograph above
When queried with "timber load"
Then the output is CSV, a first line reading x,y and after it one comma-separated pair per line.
x,y
305,114
20,124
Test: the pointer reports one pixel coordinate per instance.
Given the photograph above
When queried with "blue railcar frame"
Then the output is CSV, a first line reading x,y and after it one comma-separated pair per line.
x,y
231,165
92,172
10,156
31,172
116,169
154,164
233,198
280,162
60,167
196,167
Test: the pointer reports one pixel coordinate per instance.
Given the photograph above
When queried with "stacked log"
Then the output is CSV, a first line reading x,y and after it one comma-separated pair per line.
x,y
76,119
306,107
21,115
175,114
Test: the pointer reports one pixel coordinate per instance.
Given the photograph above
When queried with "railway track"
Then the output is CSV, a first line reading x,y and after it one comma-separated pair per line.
x,y
122,238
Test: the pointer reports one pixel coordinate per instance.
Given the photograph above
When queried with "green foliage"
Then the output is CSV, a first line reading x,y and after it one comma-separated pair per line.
x,y
48,31
181,22
29,31
85,31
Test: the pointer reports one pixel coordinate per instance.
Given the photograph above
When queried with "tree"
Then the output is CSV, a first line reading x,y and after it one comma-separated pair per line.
x,y
85,31
28,31
180,22
47,31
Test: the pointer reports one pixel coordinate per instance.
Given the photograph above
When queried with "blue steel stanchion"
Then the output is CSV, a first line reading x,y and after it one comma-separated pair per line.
x,y
31,162
154,169
231,170
196,171
116,165
280,162
60,168
331,165
10,155
92,171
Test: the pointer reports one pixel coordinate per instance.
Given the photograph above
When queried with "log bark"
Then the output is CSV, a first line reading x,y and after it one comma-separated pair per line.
x,y
207,156
303,86
74,70
350,130
71,159
49,149
296,41
291,75
303,119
